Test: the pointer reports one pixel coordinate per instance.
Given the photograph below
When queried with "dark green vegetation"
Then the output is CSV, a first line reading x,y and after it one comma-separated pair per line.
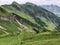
x,y
28,24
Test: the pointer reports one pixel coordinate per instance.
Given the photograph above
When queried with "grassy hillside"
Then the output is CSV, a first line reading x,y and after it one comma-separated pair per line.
x,y
3,12
46,38
10,28
28,24
32,16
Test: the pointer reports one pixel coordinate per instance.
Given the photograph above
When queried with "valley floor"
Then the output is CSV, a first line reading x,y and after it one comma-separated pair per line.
x,y
45,38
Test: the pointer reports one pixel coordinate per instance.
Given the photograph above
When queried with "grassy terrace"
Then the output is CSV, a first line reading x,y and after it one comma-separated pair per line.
x,y
10,27
47,38
3,12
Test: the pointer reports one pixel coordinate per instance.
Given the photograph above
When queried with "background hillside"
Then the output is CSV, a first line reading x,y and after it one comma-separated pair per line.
x,y
53,8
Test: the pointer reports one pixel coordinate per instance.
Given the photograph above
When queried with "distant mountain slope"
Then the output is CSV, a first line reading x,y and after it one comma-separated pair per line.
x,y
53,8
32,18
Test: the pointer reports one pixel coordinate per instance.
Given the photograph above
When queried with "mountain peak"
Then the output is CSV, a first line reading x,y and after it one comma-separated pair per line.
x,y
14,2
29,3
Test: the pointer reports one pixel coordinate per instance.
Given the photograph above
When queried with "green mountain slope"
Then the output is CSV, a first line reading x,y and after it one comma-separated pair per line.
x,y
28,24
30,15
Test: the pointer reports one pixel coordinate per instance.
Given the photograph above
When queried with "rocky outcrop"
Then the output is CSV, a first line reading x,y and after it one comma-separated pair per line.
x,y
9,18
2,28
4,18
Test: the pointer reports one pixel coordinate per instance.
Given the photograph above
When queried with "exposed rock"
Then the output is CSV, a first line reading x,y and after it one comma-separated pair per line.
x,y
4,18
2,28
9,18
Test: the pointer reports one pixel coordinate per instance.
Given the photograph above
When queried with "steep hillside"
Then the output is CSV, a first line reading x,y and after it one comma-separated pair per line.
x,y
53,8
27,17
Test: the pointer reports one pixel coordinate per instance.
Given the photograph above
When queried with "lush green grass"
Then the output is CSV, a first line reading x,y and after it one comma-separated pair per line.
x,y
50,25
3,12
10,40
45,38
10,27
44,42
14,40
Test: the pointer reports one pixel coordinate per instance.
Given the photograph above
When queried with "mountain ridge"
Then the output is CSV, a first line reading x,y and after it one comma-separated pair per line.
x,y
32,16
52,8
